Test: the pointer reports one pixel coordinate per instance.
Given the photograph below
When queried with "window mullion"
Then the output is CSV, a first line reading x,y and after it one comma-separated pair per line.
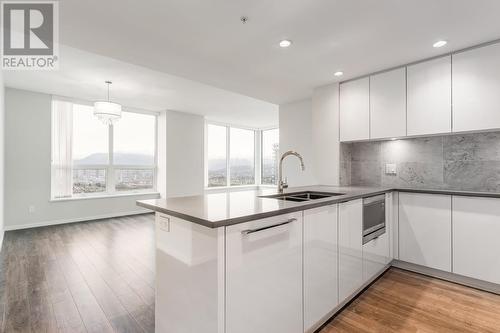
x,y
111,171
228,156
257,161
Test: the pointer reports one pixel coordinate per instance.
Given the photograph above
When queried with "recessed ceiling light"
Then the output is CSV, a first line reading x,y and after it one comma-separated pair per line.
x,y
285,43
440,43
339,73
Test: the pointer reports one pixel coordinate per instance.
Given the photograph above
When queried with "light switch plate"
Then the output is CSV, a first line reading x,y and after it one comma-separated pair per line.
x,y
390,169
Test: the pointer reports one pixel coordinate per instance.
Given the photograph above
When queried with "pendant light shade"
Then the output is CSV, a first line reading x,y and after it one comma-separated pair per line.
x,y
106,111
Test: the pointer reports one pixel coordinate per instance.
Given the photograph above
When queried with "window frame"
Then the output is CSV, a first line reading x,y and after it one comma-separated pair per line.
x,y
257,155
111,167
262,154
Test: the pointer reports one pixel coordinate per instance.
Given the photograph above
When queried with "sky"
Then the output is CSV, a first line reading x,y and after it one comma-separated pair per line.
x,y
133,133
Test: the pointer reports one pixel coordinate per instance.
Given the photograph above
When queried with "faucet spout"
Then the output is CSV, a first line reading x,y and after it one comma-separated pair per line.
x,y
283,184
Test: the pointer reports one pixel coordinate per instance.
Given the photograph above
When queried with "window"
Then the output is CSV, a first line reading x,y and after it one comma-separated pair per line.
x,y
234,153
90,158
270,152
242,156
134,152
216,155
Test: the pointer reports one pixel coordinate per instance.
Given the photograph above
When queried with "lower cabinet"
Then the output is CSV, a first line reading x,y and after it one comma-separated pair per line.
x,y
376,255
320,265
425,230
264,275
350,248
476,232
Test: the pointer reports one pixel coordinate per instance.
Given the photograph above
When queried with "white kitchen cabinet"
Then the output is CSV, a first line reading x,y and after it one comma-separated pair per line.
x,y
476,247
350,248
355,110
376,255
264,275
392,214
476,86
425,230
429,97
388,104
320,265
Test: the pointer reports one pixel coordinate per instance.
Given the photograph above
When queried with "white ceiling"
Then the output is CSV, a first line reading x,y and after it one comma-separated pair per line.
x,y
204,40
82,74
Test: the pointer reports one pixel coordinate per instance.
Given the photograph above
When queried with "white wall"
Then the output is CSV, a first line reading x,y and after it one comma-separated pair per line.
x,y
295,121
185,168
27,169
311,127
325,134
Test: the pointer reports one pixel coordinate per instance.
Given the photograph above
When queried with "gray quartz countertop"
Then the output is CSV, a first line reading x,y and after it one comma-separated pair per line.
x,y
225,208
231,207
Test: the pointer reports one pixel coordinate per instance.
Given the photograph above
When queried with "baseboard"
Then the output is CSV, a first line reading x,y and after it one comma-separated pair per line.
x,y
447,276
79,219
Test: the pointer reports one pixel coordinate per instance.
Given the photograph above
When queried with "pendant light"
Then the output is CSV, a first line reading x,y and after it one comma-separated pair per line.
x,y
107,111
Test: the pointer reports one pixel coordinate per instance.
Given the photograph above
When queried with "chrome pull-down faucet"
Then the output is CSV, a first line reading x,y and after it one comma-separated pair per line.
x,y
283,184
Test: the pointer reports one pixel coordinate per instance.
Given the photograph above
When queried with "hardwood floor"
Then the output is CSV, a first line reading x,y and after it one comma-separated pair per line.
x,y
99,277
401,301
82,277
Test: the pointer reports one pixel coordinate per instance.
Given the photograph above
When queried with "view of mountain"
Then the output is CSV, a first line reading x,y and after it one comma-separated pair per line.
x,y
119,158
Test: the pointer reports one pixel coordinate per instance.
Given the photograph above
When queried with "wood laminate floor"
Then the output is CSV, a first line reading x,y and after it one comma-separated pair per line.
x,y
402,301
80,277
99,277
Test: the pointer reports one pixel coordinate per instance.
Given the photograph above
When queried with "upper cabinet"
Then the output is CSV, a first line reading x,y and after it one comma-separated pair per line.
x,y
388,104
429,97
476,87
355,110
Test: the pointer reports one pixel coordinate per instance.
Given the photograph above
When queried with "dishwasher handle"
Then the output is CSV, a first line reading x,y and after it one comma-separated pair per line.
x,y
251,231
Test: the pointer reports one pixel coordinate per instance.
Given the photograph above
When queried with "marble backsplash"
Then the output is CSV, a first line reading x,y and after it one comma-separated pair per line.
x,y
461,162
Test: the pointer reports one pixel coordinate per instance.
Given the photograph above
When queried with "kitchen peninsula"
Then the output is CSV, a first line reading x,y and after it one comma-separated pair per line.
x,y
246,261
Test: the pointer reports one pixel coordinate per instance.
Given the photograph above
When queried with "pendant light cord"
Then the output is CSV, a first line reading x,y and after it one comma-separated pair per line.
x,y
108,83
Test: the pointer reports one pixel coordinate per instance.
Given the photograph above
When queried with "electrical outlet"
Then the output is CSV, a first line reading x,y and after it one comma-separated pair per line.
x,y
164,222
31,209
390,169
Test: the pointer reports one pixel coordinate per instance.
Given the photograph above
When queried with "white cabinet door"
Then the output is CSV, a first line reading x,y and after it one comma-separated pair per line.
x,y
264,275
388,104
429,97
376,255
355,110
476,247
320,265
476,86
350,248
425,230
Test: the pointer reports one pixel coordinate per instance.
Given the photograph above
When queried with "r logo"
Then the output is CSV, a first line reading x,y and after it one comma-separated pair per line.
x,y
29,29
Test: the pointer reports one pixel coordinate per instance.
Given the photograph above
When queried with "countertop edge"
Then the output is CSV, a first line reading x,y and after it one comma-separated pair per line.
x,y
309,205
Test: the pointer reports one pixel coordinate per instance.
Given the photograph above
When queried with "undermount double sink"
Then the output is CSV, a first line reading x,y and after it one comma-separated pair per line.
x,y
302,196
